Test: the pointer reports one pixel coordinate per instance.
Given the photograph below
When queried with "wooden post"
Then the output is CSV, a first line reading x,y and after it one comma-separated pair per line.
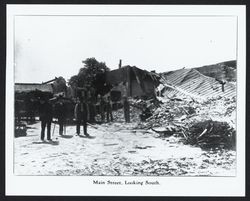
x,y
128,82
120,63
222,86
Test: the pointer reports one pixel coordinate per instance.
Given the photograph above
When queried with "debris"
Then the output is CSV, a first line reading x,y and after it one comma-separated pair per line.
x,y
214,134
168,130
203,133
141,147
184,135
20,129
182,116
111,144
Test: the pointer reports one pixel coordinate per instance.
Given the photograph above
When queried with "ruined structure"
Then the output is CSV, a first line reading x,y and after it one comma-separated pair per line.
x,y
132,81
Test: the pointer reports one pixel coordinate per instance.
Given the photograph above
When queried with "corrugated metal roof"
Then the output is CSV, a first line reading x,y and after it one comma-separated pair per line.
x,y
193,83
25,87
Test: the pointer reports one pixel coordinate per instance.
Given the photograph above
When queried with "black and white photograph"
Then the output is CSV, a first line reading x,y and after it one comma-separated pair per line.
x,y
125,98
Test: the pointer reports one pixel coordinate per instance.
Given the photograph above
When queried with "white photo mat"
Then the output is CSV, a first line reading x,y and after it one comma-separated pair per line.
x,y
83,185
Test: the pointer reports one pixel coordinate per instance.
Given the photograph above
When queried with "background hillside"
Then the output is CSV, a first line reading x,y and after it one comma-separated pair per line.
x,y
221,71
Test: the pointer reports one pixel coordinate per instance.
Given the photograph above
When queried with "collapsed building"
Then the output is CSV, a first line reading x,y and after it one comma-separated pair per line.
x,y
196,107
131,81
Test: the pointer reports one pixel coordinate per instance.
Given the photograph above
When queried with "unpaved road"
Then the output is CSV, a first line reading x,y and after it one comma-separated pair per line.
x,y
117,149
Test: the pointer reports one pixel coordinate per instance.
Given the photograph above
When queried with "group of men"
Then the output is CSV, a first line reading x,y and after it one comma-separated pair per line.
x,y
84,112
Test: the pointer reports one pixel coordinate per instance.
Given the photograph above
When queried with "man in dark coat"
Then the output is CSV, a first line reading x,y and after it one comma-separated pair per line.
x,y
97,105
60,111
109,109
102,108
91,106
81,115
46,116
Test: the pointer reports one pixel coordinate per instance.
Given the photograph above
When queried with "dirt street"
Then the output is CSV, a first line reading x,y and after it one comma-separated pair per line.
x,y
116,149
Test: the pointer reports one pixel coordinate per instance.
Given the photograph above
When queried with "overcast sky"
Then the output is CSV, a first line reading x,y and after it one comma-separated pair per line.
x,y
49,46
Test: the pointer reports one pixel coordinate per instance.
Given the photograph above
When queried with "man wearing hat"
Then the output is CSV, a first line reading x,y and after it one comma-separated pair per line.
x,y
60,110
81,115
46,116
109,109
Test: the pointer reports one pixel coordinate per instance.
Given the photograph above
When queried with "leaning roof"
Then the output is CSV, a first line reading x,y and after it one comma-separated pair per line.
x,y
194,83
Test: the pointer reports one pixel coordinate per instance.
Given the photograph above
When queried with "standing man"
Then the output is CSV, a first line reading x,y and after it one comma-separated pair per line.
x,y
91,107
81,115
109,109
102,109
97,105
60,111
126,108
46,116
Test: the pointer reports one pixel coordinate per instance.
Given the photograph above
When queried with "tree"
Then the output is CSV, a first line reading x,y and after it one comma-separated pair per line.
x,y
92,74
91,69
73,81
59,85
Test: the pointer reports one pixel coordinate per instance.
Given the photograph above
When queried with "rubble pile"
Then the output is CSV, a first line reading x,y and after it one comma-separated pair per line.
x,y
137,108
220,109
152,104
171,113
118,115
211,134
206,123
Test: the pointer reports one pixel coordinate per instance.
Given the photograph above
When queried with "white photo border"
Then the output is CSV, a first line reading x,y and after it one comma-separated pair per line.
x,y
83,185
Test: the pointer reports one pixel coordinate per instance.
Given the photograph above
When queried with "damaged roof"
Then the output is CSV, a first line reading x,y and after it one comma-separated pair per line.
x,y
191,82
26,87
120,75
